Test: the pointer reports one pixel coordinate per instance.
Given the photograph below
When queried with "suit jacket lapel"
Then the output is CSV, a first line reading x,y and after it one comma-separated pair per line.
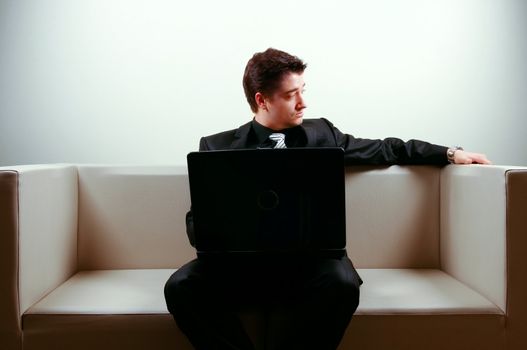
x,y
240,137
311,134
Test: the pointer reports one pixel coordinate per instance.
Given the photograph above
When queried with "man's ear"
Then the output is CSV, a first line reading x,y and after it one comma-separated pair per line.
x,y
260,101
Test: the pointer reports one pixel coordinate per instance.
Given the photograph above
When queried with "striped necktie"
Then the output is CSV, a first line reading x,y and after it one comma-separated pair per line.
x,y
279,138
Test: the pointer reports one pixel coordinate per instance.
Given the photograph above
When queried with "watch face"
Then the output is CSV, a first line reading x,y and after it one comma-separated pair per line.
x,y
450,154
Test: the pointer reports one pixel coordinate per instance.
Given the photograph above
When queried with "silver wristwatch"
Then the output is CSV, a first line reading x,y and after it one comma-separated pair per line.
x,y
451,152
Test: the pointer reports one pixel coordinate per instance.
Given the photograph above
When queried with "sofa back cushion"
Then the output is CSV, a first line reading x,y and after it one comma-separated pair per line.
x,y
134,217
392,218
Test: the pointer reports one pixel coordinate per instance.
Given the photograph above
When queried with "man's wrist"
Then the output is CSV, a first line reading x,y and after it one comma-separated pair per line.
x,y
451,153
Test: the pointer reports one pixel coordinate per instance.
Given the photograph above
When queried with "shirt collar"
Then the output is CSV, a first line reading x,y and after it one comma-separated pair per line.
x,y
295,133
262,133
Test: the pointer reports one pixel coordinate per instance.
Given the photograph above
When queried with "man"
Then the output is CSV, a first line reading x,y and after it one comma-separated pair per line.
x,y
310,301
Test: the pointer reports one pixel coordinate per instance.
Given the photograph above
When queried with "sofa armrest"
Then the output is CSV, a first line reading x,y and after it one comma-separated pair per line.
x,y
482,234
39,236
10,327
516,180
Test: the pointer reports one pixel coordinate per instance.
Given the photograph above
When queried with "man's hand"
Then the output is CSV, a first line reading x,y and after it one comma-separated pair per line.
x,y
464,157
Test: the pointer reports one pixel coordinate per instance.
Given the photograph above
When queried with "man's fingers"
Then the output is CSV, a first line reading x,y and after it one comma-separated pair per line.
x,y
463,157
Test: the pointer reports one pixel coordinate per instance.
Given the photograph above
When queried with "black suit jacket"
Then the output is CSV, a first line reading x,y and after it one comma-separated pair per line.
x,y
322,133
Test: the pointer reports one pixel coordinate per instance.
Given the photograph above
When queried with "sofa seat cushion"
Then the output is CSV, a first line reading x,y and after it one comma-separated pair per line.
x,y
126,309
108,292
385,291
419,291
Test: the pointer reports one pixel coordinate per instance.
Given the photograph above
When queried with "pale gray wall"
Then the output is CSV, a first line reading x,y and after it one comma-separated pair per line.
x,y
107,81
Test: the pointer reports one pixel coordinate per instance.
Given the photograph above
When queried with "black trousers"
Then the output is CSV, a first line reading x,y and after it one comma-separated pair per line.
x,y
309,301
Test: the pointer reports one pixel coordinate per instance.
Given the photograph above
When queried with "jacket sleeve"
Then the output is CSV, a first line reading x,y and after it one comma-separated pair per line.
x,y
388,151
190,228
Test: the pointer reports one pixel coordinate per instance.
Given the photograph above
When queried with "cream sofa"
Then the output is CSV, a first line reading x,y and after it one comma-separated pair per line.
x,y
85,252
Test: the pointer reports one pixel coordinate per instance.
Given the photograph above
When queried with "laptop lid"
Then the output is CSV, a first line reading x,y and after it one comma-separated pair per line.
x,y
268,200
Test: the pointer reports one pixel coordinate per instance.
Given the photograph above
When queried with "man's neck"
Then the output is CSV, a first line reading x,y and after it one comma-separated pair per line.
x,y
264,121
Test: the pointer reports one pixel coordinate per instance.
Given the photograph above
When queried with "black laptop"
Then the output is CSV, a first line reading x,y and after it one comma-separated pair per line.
x,y
268,201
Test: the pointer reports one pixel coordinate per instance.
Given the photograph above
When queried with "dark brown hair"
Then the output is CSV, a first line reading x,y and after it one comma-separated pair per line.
x,y
264,73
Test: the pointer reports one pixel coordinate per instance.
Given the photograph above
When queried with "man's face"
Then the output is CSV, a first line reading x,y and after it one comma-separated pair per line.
x,y
285,107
